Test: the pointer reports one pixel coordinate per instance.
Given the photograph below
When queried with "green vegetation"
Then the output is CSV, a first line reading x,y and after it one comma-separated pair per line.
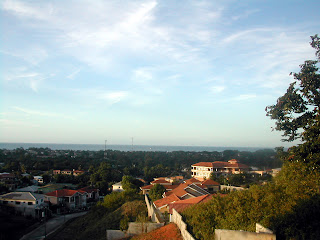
x,y
115,212
290,204
156,192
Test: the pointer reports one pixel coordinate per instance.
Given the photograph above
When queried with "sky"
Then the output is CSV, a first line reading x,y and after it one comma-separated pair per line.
x,y
186,73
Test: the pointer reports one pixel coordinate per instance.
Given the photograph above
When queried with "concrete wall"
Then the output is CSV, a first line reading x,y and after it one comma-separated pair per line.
x,y
177,219
222,234
136,228
155,215
262,229
116,234
231,188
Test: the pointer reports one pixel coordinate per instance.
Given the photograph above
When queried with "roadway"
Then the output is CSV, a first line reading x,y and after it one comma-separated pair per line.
x,y
50,226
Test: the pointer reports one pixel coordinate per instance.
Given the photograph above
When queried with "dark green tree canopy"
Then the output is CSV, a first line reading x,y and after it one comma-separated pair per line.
x,y
156,192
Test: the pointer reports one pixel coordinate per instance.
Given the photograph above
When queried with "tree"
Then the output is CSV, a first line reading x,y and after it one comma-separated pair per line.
x,y
156,192
297,112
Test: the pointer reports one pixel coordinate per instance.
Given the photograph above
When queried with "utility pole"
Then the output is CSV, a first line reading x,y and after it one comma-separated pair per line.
x,y
132,144
105,149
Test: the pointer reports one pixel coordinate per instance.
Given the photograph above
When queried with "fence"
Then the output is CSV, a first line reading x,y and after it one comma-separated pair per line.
x,y
177,219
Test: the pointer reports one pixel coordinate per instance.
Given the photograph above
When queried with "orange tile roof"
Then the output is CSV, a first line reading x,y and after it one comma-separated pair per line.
x,y
167,187
146,187
233,163
203,164
210,182
64,193
192,180
178,191
179,206
165,201
159,181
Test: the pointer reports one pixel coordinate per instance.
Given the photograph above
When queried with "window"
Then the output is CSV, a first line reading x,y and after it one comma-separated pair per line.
x,y
5,202
30,203
18,203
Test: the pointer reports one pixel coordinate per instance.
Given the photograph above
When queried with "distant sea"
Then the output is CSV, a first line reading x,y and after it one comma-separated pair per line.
x,y
145,148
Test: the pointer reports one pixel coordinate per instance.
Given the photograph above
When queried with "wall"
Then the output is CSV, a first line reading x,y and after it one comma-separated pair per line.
x,y
136,228
177,219
152,211
231,188
222,234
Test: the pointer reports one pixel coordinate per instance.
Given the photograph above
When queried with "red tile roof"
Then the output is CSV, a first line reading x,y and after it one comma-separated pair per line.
x,y
210,182
203,164
160,181
230,164
233,163
167,187
192,180
64,193
165,201
179,191
179,206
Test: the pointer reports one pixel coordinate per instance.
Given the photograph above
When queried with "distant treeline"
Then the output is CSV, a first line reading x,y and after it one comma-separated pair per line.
x,y
133,163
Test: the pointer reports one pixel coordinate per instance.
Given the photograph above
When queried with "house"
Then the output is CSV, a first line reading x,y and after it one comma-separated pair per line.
x,y
189,189
39,179
210,186
166,182
117,187
78,172
56,172
66,172
163,203
92,193
185,191
9,180
203,170
146,189
27,203
180,205
71,199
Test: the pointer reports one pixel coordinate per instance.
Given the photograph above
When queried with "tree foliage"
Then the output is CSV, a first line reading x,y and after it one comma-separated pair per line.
x,y
297,112
156,192
298,108
289,205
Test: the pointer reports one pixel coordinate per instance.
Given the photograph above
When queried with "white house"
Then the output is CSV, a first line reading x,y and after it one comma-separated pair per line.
x,y
117,187
39,179
29,204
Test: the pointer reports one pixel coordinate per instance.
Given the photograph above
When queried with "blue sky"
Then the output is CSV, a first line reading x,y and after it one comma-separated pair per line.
x,y
162,72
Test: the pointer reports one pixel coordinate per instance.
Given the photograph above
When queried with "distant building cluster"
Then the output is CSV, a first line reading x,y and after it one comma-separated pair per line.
x,y
68,172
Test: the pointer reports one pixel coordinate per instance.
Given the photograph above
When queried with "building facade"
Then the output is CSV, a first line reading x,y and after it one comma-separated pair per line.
x,y
203,170
27,203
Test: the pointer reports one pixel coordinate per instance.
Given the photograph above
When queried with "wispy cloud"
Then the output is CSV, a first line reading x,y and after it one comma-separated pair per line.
x,y
217,89
9,123
31,112
98,96
244,97
33,80
245,14
74,73
113,97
